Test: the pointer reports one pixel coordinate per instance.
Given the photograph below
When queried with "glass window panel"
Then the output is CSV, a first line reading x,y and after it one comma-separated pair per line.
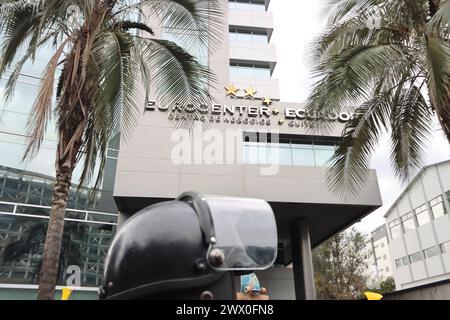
x,y
234,71
262,73
423,217
232,36
280,154
438,210
303,157
398,263
23,99
445,246
6,207
409,224
258,7
243,36
418,256
246,72
323,155
12,154
242,5
13,122
437,207
260,38
102,217
35,211
395,231
251,154
405,261
433,251
28,234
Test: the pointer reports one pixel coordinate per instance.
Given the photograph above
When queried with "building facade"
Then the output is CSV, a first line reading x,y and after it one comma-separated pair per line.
x,y
263,148
379,262
418,227
255,145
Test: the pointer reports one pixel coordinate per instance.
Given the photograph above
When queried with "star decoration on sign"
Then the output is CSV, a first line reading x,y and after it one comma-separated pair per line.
x,y
231,90
267,101
275,111
250,92
280,122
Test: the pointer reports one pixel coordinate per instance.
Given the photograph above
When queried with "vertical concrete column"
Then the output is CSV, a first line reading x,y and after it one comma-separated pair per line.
x,y
121,219
302,261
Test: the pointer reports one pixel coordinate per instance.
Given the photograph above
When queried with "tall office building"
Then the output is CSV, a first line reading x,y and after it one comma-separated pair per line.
x,y
262,148
257,146
379,262
418,227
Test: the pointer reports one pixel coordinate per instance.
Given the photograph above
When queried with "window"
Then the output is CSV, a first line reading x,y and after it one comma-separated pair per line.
x,y
384,257
395,228
323,155
249,5
249,36
303,155
408,221
401,262
382,244
445,247
437,207
297,151
423,217
405,261
416,257
249,71
433,251
387,269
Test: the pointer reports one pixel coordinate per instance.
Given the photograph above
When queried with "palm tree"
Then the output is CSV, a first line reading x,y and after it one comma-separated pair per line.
x,y
388,61
100,65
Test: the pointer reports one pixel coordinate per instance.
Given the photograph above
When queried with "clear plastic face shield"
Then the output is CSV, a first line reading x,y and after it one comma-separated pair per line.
x,y
241,232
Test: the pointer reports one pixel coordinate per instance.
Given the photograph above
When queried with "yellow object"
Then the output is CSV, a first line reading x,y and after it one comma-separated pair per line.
x,y
250,92
373,296
267,101
66,292
231,90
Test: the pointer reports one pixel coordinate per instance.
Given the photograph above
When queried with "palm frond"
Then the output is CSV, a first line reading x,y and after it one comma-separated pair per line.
x,y
438,63
195,23
411,127
41,110
440,22
178,78
347,80
351,161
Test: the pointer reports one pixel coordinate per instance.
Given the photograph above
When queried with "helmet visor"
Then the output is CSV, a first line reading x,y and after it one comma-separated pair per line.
x,y
245,233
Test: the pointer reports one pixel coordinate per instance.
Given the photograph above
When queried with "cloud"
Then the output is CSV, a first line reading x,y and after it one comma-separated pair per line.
x,y
297,23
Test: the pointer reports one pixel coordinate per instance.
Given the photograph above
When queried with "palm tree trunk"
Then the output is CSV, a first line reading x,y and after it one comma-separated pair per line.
x,y
49,269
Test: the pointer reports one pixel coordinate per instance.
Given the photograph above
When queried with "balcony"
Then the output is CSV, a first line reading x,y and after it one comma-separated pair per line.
x,y
244,18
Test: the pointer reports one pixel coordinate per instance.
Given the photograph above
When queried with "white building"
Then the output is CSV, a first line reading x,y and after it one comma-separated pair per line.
x,y
418,226
379,262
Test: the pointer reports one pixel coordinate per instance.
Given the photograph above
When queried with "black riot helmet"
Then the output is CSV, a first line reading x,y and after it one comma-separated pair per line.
x,y
189,248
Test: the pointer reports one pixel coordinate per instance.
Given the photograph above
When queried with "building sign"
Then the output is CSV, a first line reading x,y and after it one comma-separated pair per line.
x,y
244,113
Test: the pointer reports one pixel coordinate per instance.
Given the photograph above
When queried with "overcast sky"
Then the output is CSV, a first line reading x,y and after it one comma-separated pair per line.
x,y
297,22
